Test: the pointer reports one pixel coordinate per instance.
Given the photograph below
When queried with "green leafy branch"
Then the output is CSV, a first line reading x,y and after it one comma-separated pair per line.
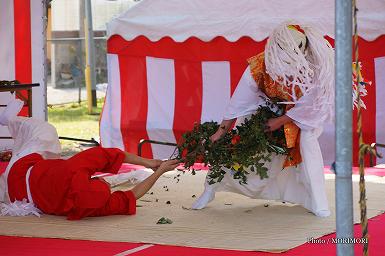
x,y
243,150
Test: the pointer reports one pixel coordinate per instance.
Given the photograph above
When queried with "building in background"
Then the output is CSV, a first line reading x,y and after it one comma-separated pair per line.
x,y
65,39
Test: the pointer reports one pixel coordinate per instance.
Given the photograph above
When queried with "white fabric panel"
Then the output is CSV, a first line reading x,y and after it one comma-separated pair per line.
x,y
7,47
7,41
5,97
216,90
7,60
233,19
110,132
327,142
39,94
246,98
380,105
161,104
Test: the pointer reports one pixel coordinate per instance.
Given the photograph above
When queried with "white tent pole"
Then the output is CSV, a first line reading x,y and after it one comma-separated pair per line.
x,y
344,192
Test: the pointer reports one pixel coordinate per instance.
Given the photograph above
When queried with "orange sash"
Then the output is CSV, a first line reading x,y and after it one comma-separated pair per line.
x,y
274,91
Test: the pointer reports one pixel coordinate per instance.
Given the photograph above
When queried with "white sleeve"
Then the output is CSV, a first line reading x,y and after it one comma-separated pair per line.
x,y
306,114
246,98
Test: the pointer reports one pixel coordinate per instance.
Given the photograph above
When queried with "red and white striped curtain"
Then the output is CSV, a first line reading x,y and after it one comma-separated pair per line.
x,y
158,90
22,49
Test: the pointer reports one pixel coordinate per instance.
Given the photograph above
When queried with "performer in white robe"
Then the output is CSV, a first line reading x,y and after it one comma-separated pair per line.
x,y
302,61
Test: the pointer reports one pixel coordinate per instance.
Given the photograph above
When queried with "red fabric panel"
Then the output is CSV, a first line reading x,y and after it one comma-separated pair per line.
x,y
133,81
192,49
236,70
188,95
187,57
368,51
23,54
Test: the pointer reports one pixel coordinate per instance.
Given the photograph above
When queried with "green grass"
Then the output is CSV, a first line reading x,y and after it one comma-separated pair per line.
x,y
72,120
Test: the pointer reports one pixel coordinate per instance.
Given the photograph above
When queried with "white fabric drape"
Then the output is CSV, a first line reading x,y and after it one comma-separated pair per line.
x,y
206,20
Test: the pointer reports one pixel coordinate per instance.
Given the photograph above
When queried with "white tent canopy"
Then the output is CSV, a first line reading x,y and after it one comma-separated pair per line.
x,y
181,20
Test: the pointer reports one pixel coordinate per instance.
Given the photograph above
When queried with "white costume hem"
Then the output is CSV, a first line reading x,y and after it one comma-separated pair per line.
x,y
19,208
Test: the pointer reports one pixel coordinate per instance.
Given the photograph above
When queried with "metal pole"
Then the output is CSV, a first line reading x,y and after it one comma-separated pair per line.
x,y
90,66
344,192
78,79
46,34
81,40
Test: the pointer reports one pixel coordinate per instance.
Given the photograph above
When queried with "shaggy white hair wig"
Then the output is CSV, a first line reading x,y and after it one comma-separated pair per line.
x,y
299,57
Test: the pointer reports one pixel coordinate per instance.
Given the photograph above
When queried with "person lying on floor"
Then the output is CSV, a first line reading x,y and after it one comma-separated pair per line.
x,y
37,180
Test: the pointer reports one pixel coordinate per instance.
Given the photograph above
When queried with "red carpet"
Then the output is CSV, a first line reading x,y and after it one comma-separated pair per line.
x,y
40,246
